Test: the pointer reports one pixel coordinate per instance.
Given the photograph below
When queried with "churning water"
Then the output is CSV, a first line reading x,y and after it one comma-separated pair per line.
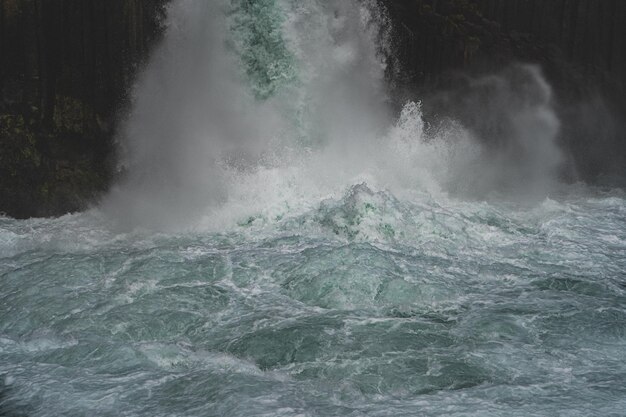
x,y
284,245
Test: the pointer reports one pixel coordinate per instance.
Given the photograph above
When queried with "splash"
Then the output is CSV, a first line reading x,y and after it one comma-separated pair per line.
x,y
269,107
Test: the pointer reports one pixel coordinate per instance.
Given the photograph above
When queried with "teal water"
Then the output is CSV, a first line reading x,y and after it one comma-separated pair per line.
x,y
362,305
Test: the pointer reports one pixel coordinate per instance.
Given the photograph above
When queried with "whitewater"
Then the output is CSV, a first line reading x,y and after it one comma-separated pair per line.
x,y
284,241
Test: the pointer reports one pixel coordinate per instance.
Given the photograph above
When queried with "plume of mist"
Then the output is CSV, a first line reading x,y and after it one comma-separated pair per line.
x,y
225,124
196,117
191,112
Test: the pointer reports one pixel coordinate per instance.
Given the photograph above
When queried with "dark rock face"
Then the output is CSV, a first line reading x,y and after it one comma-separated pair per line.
x,y
65,70
438,35
588,33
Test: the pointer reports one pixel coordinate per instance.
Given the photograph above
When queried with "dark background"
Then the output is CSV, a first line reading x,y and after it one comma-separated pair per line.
x,y
66,67
65,72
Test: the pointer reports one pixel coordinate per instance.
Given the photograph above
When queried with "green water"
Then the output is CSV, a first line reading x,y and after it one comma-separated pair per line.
x,y
363,305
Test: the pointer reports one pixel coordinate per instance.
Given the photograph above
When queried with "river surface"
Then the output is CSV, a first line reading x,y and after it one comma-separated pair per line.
x,y
362,305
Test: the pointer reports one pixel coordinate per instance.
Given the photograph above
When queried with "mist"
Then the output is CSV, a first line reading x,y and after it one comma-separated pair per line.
x,y
215,116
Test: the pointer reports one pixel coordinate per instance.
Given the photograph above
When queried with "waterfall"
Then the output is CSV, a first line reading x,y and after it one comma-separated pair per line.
x,y
249,104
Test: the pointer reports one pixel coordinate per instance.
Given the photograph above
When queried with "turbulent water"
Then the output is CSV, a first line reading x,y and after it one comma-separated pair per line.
x,y
282,244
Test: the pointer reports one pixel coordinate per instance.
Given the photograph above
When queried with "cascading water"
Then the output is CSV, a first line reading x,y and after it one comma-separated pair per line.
x,y
241,86
282,244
